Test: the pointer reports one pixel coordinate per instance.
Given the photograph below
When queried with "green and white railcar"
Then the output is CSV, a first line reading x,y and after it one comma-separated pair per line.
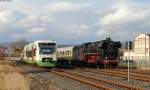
x,y
41,53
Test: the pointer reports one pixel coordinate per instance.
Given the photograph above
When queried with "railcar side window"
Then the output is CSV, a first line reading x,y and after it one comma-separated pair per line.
x,y
29,53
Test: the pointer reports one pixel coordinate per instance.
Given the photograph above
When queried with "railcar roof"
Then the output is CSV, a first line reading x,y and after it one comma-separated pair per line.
x,y
65,46
40,41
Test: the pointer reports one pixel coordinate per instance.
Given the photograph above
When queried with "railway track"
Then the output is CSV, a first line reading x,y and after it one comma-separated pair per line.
x,y
147,72
119,74
125,73
60,73
95,81
81,79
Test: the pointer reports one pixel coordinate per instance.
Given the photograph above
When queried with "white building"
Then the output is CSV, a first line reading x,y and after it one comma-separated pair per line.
x,y
141,49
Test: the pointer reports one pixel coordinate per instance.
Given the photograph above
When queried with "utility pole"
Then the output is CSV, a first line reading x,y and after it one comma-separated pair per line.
x,y
145,48
128,61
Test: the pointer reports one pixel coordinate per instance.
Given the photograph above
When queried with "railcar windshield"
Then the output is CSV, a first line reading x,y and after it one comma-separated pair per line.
x,y
47,48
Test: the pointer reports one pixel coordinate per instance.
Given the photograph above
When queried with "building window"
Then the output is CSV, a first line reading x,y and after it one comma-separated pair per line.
x,y
126,57
146,50
131,57
143,58
67,52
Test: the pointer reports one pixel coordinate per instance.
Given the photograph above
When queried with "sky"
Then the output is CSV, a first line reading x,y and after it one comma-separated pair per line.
x,y
73,21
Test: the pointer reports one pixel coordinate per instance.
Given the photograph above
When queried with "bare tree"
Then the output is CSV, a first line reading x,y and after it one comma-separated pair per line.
x,y
17,47
2,52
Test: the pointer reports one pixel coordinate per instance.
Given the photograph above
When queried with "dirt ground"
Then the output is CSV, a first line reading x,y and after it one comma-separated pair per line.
x,y
11,79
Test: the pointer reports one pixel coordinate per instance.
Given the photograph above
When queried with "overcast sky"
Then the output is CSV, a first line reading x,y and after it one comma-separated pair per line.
x,y
73,21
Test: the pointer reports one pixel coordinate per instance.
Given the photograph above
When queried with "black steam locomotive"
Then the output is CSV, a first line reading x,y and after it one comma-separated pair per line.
x,y
100,53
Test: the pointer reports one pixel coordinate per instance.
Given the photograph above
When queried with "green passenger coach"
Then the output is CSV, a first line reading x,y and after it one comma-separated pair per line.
x,y
41,53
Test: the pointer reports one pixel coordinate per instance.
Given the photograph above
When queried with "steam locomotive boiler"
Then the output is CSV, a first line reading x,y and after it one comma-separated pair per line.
x,y
103,53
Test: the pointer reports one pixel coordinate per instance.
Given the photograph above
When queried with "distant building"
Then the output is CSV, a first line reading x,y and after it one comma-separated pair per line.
x,y
141,50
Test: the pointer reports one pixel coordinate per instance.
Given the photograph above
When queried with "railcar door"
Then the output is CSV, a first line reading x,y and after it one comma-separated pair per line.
x,y
33,55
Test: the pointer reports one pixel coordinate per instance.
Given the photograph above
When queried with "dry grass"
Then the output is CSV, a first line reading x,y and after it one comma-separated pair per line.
x,y
11,80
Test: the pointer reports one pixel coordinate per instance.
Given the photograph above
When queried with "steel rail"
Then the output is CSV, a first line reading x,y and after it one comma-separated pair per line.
x,y
133,75
117,74
81,79
147,72
110,82
130,87
125,73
